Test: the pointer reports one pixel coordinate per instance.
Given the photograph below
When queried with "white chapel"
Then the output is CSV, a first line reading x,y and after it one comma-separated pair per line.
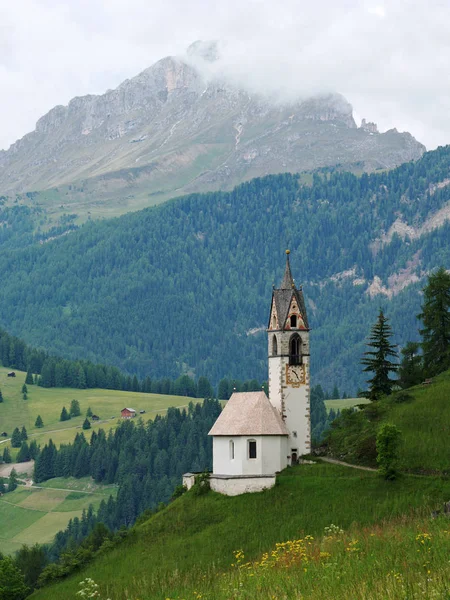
x,y
256,436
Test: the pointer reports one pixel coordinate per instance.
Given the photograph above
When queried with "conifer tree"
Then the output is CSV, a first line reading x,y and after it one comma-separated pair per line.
x,y
24,453
89,412
34,449
65,416
12,581
39,422
29,378
24,434
16,438
12,481
75,408
2,486
1,396
435,316
377,360
86,424
24,389
6,455
410,370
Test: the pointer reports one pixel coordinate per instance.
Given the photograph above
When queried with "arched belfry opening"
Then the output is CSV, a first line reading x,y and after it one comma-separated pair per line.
x,y
295,350
274,345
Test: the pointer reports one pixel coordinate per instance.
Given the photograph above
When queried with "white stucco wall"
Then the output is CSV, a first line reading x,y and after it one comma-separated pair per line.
x,y
270,455
244,485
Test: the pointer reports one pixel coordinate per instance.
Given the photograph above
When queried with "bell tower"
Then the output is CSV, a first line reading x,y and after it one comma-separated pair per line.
x,y
288,351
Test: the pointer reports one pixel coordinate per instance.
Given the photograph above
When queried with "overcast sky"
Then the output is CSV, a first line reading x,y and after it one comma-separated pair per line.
x,y
391,60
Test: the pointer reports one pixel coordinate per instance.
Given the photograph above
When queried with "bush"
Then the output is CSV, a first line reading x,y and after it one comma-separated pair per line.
x,y
388,443
402,397
202,484
178,491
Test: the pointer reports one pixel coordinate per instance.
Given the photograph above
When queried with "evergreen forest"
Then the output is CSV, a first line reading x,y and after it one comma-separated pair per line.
x,y
185,287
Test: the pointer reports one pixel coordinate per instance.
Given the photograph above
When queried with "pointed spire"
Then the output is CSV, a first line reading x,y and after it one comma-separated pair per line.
x,y
288,281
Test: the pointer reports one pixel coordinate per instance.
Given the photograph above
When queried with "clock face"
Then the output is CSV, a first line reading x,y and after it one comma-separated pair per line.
x,y
295,375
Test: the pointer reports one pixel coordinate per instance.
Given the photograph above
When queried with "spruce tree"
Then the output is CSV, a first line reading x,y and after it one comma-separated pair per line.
x,y
12,481
24,434
75,408
377,360
435,316
24,389
2,486
1,396
39,422
410,370
6,456
65,416
34,449
24,453
29,378
89,412
16,438
86,424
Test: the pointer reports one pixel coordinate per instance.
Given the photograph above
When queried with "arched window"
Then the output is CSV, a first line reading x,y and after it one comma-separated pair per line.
x,y
295,350
231,450
293,320
251,448
274,345
274,322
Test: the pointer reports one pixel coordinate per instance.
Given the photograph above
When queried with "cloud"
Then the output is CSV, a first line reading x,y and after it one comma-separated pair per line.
x,y
389,60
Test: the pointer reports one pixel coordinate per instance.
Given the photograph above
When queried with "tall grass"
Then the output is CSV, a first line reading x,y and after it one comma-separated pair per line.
x,y
190,545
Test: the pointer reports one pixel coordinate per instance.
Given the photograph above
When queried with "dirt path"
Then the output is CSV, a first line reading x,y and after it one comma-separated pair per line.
x,y
333,461
24,467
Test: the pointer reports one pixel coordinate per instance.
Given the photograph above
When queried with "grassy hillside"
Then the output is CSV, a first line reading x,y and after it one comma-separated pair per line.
x,y
35,515
186,550
423,418
48,402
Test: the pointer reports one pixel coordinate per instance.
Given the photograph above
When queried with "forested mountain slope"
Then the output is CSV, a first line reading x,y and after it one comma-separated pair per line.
x,y
186,286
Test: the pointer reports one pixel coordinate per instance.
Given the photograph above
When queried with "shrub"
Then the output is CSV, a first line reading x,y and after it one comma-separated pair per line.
x,y
202,484
388,443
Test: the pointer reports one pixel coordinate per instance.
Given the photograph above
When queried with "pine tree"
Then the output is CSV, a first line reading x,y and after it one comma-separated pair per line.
x,y
435,316
1,396
378,360
89,412
12,481
75,408
2,486
24,434
24,453
16,438
39,422
24,389
410,370
34,449
86,424
65,416
29,378
6,456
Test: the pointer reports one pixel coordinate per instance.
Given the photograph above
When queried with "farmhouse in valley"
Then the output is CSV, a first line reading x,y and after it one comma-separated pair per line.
x,y
127,413
255,436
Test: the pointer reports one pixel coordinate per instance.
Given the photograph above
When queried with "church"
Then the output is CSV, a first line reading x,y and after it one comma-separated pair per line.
x,y
256,436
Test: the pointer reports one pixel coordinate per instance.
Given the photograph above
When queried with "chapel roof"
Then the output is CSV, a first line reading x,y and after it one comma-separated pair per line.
x,y
249,413
283,295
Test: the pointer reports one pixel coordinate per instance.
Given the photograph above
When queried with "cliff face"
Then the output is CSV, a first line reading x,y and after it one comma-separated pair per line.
x,y
170,131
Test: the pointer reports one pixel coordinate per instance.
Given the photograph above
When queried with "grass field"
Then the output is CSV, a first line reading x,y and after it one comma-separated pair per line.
x,y
347,403
30,515
189,546
48,402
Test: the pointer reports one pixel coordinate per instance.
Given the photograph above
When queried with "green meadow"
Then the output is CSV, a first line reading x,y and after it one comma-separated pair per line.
x,y
36,514
187,550
48,402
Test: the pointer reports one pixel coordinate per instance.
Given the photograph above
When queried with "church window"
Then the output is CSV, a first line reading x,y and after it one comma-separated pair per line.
x,y
252,448
293,320
231,450
294,434
274,345
295,350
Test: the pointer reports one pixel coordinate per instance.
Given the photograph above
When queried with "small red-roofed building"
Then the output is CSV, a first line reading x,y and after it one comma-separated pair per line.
x,y
127,413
